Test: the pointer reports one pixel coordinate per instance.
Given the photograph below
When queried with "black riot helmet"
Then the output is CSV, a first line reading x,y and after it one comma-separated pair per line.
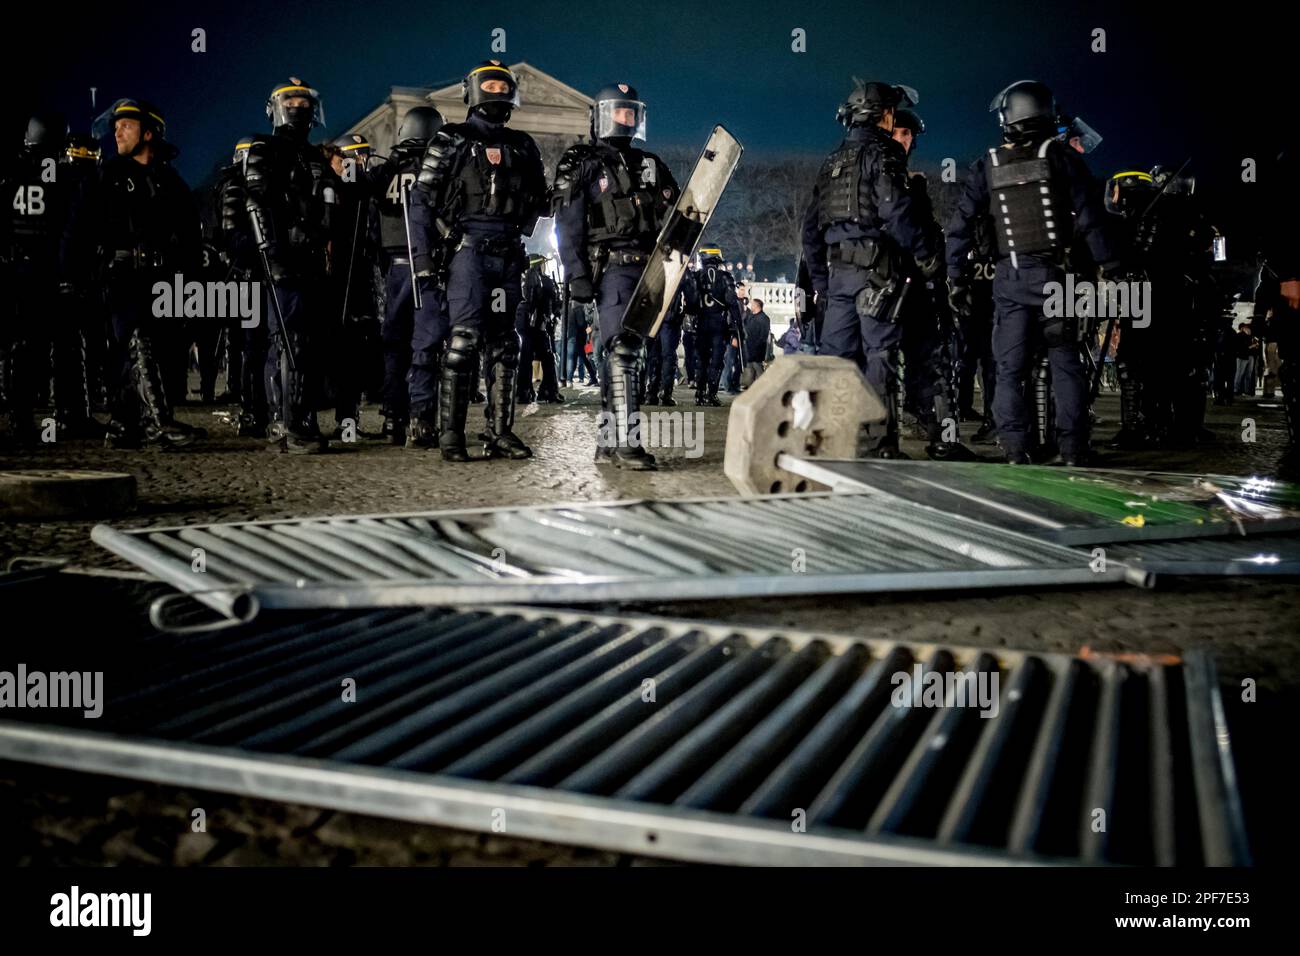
x,y
354,146
496,105
46,133
149,117
1129,193
710,254
614,105
869,100
419,124
1026,108
297,119
909,120
242,146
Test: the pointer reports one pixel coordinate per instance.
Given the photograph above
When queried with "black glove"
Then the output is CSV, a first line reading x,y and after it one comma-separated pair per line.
x,y
580,289
960,299
932,268
422,264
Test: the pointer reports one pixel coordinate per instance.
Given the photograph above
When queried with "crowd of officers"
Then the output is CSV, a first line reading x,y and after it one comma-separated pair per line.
x,y
417,260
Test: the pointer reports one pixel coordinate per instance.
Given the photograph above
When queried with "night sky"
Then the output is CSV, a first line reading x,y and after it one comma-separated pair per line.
x,y
1173,82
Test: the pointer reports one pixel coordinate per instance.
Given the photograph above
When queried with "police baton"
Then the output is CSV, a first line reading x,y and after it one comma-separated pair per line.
x,y
410,249
259,236
352,260
564,337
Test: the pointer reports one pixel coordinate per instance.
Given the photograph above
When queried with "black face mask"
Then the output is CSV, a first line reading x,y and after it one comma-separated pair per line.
x,y
298,118
494,111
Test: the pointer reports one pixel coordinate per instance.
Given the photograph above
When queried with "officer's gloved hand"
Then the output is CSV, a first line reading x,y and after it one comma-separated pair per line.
x,y
278,271
959,298
422,264
581,290
932,268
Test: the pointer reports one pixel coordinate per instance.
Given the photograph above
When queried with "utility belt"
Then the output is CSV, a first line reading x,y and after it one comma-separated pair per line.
x,y
503,245
887,281
618,257
1048,257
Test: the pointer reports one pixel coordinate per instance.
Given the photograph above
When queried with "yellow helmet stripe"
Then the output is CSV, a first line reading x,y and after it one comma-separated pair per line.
x,y
348,149
499,69
127,108
1137,173
294,89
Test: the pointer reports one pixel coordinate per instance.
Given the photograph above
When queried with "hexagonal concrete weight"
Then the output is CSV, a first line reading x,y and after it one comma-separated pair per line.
x,y
49,493
805,405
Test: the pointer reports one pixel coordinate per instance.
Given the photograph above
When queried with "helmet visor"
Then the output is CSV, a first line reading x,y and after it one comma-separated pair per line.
x,y
1128,192
620,118
287,100
1080,136
908,96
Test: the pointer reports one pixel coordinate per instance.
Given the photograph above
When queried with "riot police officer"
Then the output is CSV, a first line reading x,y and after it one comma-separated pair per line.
x,y
717,318
611,198
354,325
413,339
291,196
246,354
538,314
480,189
146,224
41,315
1044,195
1138,362
1160,361
929,338
858,227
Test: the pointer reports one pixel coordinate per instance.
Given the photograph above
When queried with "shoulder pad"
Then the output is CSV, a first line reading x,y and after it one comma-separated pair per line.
x,y
438,157
568,173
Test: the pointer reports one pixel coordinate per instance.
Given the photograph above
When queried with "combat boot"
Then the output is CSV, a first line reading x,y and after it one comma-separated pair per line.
x,y
499,440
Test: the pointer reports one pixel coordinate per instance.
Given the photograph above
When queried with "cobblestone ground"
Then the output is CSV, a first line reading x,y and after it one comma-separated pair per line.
x,y
1251,625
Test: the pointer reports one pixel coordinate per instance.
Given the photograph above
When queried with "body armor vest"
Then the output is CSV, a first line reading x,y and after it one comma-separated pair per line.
x,y
138,207
35,206
1028,204
713,283
625,212
295,189
398,172
490,184
843,192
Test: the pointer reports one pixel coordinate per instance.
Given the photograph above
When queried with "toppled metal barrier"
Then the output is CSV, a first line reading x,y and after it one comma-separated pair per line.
x,y
597,553
671,738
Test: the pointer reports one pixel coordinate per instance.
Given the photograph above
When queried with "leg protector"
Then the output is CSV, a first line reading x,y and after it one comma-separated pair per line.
x,y
500,440
623,374
459,377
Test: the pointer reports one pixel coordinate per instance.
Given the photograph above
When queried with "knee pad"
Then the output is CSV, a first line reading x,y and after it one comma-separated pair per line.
x,y
626,346
463,349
